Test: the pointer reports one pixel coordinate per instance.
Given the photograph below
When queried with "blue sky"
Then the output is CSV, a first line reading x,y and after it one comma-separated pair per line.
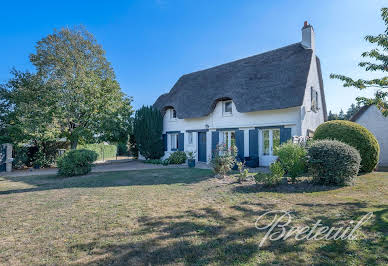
x,y
152,43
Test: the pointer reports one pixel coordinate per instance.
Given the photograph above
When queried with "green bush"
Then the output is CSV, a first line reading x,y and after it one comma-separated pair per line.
x,y
293,159
332,162
122,148
103,151
356,136
243,172
273,178
177,157
154,161
223,159
76,162
147,129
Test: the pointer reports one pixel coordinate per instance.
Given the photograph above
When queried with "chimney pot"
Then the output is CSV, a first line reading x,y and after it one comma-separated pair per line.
x,y
308,36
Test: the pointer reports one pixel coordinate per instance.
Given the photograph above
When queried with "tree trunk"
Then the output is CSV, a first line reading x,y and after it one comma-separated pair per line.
x,y
74,144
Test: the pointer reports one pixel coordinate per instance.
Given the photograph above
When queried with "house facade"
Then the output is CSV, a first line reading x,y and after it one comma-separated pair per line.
x,y
371,118
256,103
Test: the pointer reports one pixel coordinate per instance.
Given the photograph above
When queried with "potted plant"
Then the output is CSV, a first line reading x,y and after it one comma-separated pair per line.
x,y
191,159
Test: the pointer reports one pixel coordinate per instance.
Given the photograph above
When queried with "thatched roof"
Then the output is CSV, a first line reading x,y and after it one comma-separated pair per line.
x,y
268,81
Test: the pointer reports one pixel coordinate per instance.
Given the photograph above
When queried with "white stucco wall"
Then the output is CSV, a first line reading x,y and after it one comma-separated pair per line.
x,y
373,120
311,119
289,117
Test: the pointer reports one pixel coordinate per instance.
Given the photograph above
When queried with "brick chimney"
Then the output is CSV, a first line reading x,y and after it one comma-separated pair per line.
x,y
308,36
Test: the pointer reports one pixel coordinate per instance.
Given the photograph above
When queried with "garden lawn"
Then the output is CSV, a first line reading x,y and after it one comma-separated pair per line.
x,y
182,216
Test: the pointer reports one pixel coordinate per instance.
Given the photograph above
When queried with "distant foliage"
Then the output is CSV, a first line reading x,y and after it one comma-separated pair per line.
x,y
273,178
223,159
356,136
378,62
177,157
292,158
148,127
103,151
76,162
333,163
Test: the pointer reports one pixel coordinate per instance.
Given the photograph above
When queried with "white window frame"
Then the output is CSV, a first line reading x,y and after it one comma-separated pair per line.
x,y
226,135
172,111
270,135
224,112
173,140
190,138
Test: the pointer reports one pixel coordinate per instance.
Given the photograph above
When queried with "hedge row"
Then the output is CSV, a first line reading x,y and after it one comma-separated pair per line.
x,y
103,151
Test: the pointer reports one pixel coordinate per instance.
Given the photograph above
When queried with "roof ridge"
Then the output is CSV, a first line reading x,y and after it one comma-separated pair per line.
x,y
234,61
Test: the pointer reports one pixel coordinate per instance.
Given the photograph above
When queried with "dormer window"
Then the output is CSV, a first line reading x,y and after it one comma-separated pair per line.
x,y
227,107
172,114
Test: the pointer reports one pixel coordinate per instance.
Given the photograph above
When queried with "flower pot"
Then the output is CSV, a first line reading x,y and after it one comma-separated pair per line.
x,y
191,163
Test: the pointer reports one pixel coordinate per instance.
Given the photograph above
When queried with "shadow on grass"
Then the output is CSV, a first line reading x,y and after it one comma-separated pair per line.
x,y
111,179
207,236
304,186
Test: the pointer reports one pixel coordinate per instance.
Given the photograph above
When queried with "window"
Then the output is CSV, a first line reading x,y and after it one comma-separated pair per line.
x,y
174,141
227,108
172,114
314,100
228,138
271,141
190,138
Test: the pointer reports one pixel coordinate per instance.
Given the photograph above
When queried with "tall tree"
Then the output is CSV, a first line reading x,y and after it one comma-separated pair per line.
x,y
147,128
80,85
379,63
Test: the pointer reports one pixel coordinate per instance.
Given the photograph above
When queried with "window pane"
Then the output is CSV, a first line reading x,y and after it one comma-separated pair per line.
x,y
276,140
233,138
228,107
173,113
226,139
190,139
174,141
266,142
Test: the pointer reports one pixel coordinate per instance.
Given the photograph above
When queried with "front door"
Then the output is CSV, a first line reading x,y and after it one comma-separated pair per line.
x,y
270,141
202,146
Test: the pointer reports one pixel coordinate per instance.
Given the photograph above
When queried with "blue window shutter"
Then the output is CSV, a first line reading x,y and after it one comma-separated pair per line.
x,y
164,141
240,144
253,143
285,134
181,141
215,138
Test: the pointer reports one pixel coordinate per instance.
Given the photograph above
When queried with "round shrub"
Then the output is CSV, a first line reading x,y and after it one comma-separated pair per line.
x,y
356,136
76,162
177,157
333,162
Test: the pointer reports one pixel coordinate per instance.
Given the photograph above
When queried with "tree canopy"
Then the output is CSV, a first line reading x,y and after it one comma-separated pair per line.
x,y
379,62
73,93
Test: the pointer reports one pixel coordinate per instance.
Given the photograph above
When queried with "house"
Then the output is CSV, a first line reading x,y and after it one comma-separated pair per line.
x,y
257,103
371,118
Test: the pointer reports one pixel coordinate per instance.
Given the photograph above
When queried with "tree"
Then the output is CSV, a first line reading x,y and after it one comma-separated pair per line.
x,y
73,94
379,62
148,127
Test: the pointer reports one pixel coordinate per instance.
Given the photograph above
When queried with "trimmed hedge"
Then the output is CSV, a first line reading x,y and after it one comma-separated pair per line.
x,y
76,162
356,136
109,151
333,162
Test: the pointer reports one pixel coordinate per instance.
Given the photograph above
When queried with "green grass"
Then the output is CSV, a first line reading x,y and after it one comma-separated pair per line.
x,y
181,216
